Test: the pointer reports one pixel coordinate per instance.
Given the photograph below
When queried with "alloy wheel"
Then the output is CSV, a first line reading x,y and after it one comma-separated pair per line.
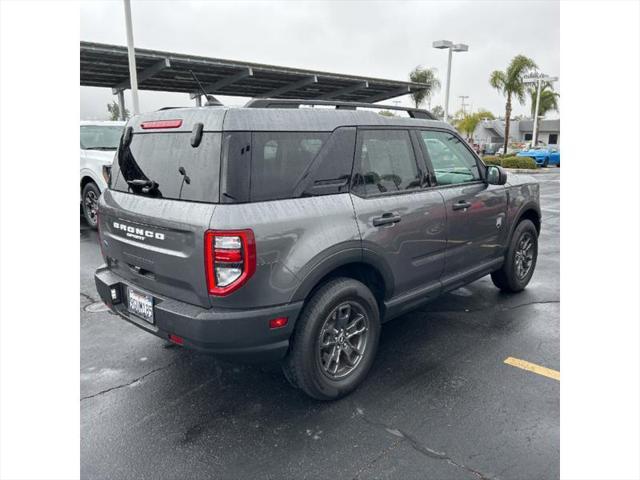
x,y
343,340
524,255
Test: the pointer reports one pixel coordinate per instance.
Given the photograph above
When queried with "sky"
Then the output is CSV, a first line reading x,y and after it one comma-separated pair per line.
x,y
369,38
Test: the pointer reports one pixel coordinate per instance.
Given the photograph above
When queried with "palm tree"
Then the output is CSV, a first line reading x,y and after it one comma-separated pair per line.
x,y
510,83
468,123
424,75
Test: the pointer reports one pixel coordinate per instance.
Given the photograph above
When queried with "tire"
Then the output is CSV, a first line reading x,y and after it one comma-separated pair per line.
x,y
90,196
310,367
509,278
545,164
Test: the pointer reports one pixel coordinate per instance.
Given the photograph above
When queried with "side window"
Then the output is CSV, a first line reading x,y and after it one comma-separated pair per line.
x,y
452,162
387,162
279,161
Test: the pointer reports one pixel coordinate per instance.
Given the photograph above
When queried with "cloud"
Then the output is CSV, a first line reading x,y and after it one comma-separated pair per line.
x,y
379,39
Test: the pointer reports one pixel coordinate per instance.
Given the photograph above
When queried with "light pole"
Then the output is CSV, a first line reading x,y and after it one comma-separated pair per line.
x,y
537,78
458,47
133,74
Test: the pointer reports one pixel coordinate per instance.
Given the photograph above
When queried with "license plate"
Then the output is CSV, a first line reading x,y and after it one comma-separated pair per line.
x,y
141,305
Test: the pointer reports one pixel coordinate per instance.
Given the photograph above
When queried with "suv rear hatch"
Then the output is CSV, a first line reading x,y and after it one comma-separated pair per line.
x,y
164,188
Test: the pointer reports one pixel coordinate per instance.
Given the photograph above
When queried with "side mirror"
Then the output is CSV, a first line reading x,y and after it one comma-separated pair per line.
x,y
496,175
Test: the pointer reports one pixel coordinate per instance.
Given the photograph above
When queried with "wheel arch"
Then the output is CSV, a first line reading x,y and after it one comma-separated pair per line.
x,y
529,211
352,264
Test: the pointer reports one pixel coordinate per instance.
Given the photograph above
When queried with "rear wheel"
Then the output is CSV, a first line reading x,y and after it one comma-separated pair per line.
x,y
335,340
90,196
520,260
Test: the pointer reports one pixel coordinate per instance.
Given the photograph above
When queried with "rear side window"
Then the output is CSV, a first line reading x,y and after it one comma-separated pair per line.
x,y
279,161
387,162
452,161
165,165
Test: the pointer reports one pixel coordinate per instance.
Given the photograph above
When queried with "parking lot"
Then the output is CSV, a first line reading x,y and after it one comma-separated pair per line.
x,y
439,403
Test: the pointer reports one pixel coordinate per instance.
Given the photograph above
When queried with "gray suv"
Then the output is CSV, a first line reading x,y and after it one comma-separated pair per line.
x,y
278,233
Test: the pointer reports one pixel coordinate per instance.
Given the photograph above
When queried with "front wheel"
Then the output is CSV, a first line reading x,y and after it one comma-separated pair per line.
x,y
90,196
545,164
335,340
520,260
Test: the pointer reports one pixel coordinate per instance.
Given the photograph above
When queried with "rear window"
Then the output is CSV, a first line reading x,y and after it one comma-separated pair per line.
x,y
279,161
165,165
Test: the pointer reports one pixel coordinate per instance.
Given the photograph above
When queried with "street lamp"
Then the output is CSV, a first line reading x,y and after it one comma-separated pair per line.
x,y
457,47
537,78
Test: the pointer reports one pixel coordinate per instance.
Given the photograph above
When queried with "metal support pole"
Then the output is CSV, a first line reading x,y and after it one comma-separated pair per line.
x,y
198,100
446,97
535,118
133,74
121,102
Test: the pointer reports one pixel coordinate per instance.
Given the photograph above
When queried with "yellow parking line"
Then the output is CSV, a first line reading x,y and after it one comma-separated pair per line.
x,y
532,367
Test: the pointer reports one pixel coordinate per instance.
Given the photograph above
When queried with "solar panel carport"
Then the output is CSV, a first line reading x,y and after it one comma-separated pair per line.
x,y
103,65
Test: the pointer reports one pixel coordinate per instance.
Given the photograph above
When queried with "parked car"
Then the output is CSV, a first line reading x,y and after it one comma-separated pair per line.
x,y
491,148
290,235
543,155
98,144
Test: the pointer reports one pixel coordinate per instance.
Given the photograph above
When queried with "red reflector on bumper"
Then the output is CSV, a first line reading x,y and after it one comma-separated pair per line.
x,y
176,339
278,322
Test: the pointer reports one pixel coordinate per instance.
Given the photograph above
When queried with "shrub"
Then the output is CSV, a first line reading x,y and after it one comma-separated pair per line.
x,y
519,162
491,160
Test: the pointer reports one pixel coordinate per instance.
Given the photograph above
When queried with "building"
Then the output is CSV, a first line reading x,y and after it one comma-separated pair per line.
x,y
492,131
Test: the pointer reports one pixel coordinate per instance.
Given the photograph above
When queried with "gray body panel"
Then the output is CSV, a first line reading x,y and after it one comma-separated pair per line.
x,y
414,248
173,266
293,237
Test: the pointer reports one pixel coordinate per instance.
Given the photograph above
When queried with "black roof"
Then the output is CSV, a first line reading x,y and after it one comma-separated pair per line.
x,y
103,65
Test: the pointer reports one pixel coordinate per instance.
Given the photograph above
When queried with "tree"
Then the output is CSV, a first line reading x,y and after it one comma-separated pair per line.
x,y
386,113
510,84
114,110
438,112
468,123
424,75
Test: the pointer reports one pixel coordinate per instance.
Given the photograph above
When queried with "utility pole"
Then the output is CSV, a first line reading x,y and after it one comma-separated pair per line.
x,y
133,74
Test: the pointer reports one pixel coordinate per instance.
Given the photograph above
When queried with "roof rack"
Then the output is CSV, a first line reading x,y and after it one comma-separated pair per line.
x,y
295,103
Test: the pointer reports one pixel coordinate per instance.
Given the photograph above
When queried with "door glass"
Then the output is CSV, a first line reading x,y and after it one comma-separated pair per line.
x,y
451,160
387,162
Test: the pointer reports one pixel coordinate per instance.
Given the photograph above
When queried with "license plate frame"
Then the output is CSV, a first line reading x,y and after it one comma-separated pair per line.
x,y
141,305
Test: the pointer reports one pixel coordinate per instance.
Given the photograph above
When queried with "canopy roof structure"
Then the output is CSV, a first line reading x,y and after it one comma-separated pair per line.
x,y
103,65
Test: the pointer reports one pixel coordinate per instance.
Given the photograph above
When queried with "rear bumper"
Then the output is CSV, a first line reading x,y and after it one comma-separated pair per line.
x,y
240,334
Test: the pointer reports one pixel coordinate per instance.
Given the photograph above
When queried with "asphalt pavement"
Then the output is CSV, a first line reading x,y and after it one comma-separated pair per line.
x,y
439,403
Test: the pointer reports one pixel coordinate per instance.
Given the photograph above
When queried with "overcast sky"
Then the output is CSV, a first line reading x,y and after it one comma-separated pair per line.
x,y
376,39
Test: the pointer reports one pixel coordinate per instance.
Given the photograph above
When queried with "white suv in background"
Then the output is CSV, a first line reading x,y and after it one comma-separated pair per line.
x,y
98,144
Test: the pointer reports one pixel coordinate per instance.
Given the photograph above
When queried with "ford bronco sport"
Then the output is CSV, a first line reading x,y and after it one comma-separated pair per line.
x,y
274,232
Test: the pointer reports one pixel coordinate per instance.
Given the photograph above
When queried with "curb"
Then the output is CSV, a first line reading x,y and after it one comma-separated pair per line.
x,y
537,171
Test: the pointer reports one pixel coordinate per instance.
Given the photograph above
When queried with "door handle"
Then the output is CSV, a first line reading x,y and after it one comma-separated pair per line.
x,y
386,219
461,205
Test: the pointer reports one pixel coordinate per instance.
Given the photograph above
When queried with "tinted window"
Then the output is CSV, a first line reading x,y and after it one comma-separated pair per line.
x,y
280,160
451,160
100,137
387,162
151,165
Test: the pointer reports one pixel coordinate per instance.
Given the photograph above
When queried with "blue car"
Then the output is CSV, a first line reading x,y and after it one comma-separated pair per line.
x,y
543,156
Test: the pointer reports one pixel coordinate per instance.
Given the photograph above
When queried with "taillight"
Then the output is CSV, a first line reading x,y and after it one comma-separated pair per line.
x,y
161,124
230,259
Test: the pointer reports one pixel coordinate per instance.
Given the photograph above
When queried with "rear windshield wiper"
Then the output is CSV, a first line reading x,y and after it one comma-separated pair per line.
x,y
146,186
